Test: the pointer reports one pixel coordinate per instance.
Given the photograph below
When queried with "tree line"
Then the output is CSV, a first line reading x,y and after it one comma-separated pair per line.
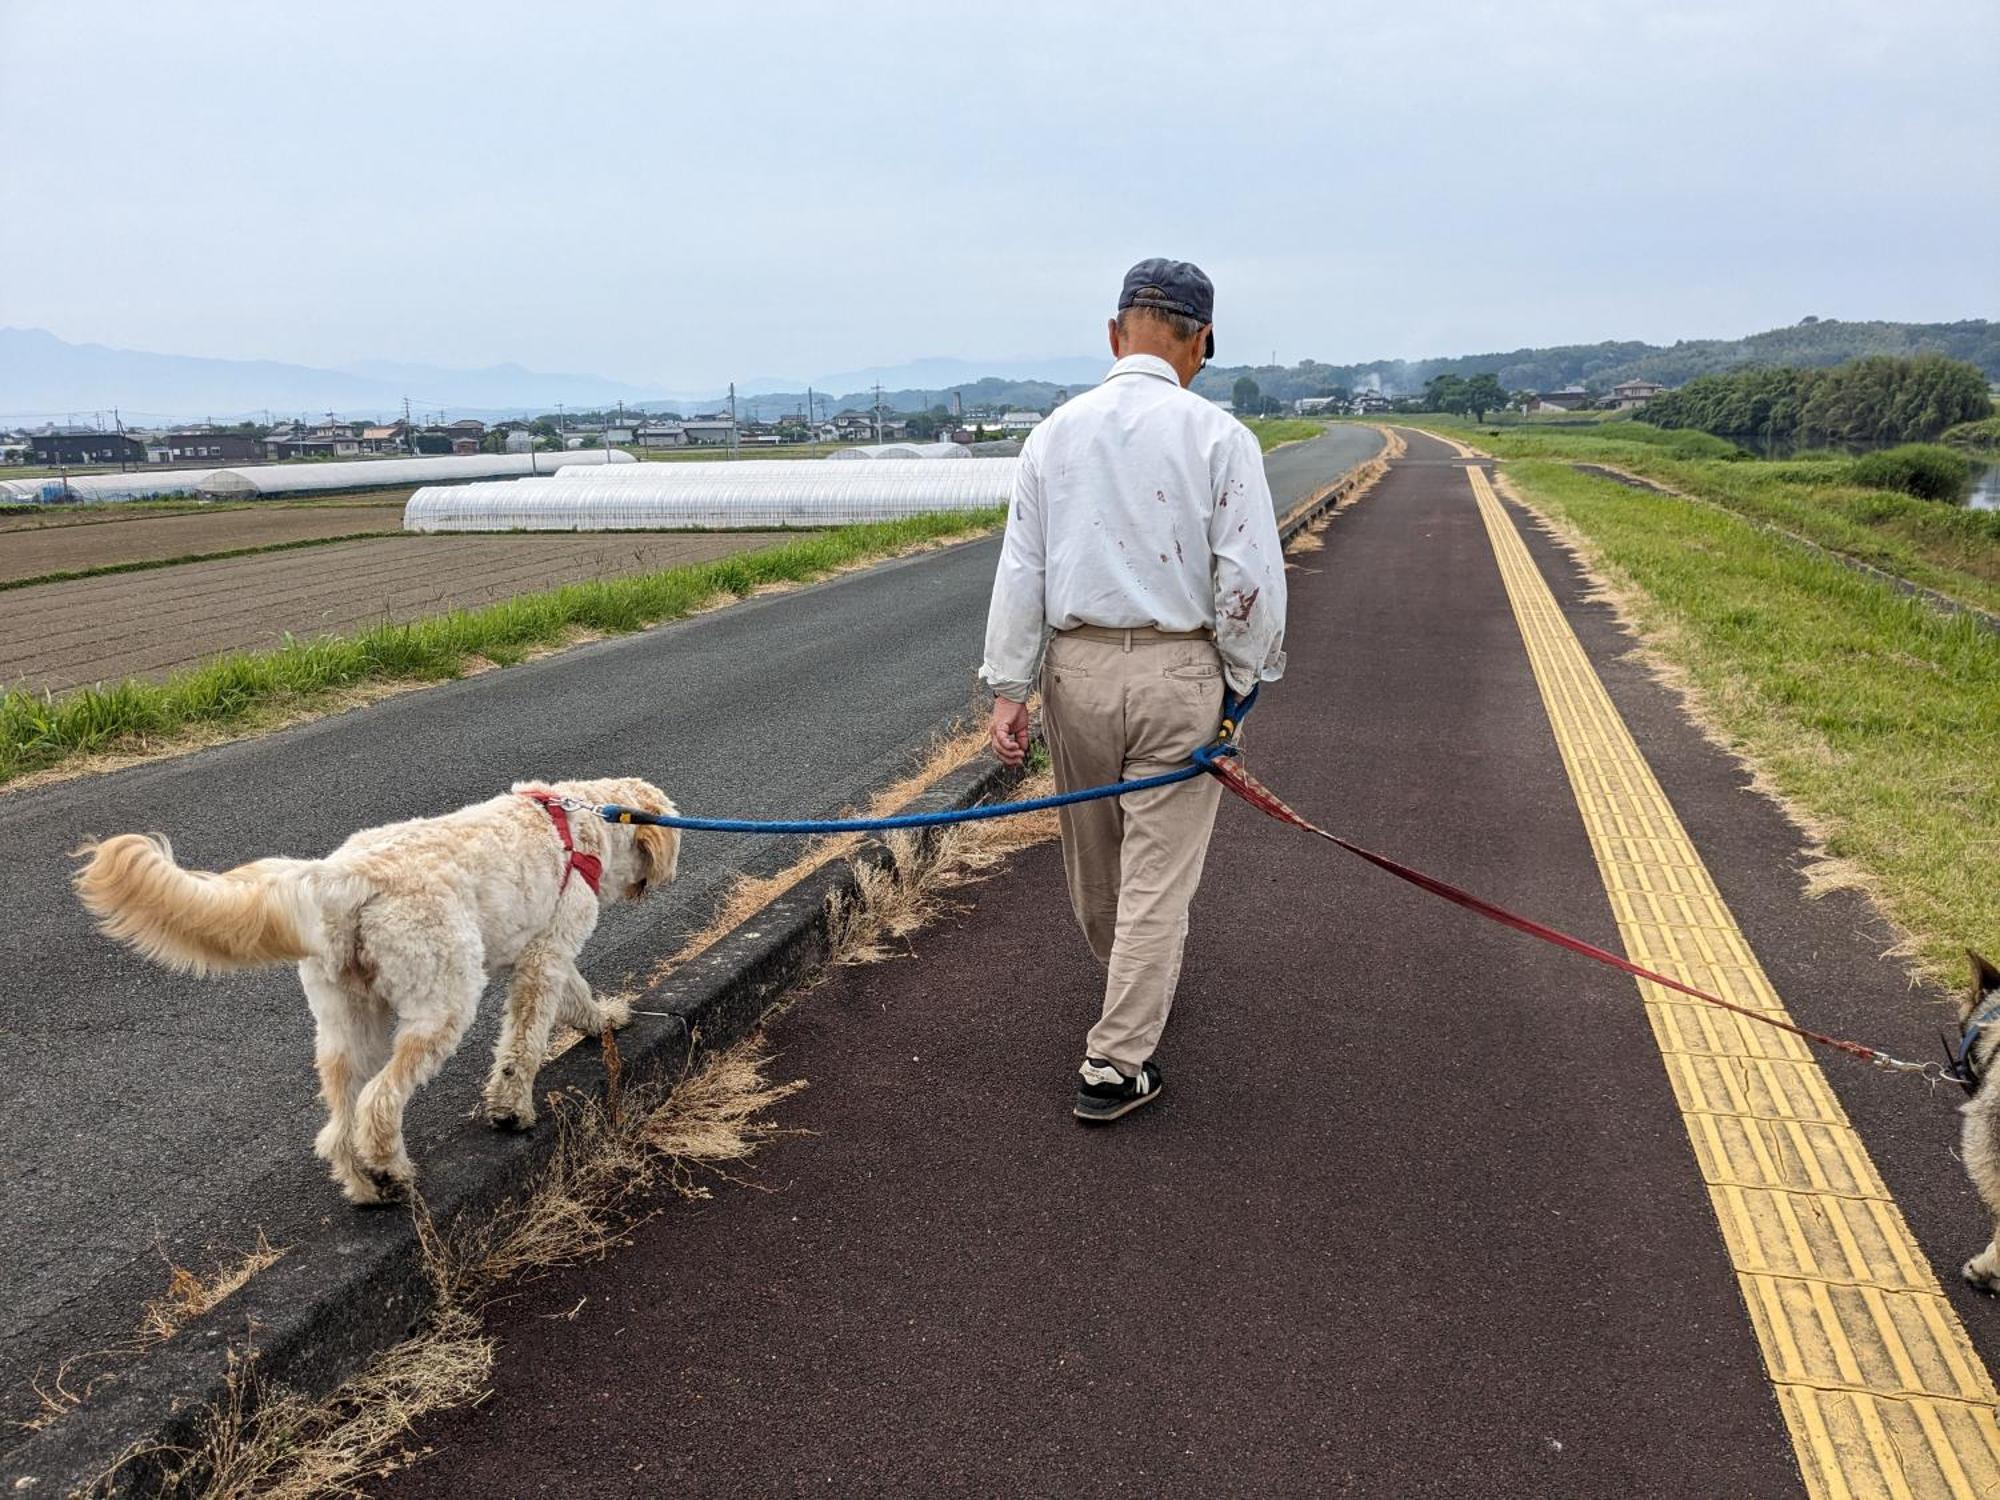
x,y
1811,341
1881,399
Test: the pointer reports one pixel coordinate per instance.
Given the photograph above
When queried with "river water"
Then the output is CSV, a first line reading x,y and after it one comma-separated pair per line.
x,y
1986,489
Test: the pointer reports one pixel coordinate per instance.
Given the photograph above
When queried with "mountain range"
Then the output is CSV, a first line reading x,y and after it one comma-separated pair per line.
x,y
46,379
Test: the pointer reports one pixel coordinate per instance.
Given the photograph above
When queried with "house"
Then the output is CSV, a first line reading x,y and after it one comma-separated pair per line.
x,y
390,439
85,445
1367,403
327,439
519,440
1630,395
852,426
185,445
1312,406
1569,398
1019,421
661,435
708,432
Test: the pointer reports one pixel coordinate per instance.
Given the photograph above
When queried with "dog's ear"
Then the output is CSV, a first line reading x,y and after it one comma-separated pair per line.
x,y
660,853
1985,978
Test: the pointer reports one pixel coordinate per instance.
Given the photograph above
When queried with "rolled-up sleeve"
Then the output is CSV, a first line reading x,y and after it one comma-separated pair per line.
x,y
1016,621
1249,567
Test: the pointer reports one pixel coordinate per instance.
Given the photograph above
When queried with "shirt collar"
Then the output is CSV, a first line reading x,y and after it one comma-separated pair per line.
x,y
1144,364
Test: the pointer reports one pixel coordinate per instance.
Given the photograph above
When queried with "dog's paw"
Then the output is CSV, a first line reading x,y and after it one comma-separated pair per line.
x,y
1982,1272
511,1113
615,1011
366,1187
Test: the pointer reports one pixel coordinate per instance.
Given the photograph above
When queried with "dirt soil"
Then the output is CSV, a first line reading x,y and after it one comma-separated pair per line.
x,y
59,635
34,546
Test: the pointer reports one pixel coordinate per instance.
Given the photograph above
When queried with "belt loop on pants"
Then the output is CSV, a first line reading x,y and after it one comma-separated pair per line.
x,y
1126,635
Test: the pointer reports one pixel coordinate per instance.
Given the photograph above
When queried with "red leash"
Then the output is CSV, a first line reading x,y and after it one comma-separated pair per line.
x,y
1261,797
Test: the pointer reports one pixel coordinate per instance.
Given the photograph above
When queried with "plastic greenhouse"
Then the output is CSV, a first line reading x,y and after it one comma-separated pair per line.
x,y
721,496
293,479
86,488
904,450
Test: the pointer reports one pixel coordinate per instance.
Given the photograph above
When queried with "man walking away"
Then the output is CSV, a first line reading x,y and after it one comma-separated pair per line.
x,y
1142,535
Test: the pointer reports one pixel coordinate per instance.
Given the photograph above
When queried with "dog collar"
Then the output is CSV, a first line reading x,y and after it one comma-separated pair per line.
x,y
1964,1070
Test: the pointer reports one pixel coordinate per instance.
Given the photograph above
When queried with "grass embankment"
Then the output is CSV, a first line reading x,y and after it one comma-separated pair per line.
x,y
1273,432
40,731
1874,716
1949,548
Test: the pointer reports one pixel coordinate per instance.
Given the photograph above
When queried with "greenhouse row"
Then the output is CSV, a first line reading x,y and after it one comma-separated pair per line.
x,y
715,497
297,479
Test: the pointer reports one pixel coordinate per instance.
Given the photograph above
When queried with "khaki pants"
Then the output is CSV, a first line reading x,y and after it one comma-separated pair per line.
x,y
1118,705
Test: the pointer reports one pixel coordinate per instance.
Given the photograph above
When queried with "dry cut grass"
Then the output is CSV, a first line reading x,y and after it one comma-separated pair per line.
x,y
186,1296
611,1158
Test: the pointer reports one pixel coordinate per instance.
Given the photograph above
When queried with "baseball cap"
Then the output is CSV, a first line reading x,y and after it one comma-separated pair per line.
x,y
1175,286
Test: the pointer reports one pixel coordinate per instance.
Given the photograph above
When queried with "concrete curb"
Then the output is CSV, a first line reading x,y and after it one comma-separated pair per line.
x,y
318,1315
330,1304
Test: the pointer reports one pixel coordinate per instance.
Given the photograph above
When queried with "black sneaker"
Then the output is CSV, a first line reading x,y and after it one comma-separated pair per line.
x,y
1103,1093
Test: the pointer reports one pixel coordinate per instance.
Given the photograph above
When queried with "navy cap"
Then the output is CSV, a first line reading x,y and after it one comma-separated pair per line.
x,y
1175,286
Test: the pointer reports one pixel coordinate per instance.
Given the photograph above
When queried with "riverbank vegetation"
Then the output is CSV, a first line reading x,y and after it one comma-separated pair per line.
x,y
1977,437
1815,496
1876,718
1863,402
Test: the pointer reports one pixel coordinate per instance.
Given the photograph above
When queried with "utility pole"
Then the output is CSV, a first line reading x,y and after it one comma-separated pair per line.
x,y
120,423
409,432
878,414
732,419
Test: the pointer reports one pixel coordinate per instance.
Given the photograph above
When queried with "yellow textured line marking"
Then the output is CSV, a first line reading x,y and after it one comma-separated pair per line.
x,y
1880,1388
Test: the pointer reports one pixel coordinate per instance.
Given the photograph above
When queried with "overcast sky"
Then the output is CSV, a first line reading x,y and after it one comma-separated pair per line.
x,y
682,195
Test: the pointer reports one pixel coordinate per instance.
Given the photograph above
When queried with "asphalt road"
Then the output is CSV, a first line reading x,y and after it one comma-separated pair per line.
x,y
144,1113
1416,1215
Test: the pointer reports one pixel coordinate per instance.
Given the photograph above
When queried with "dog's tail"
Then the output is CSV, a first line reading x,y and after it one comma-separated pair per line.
x,y
255,914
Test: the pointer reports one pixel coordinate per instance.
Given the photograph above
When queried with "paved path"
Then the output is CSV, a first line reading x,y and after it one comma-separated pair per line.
x,y
1418,1214
137,1104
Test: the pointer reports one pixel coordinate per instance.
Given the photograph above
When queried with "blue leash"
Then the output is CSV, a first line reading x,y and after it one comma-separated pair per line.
x,y
1234,711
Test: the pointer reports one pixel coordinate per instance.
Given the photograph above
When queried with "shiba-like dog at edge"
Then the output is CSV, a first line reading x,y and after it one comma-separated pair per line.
x,y
395,934
1979,1055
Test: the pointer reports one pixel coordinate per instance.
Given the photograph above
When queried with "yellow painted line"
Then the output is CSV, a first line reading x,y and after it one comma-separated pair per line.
x,y
1880,1387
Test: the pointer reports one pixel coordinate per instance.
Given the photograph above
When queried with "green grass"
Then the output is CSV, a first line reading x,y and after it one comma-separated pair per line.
x,y
1949,548
39,731
1875,715
1274,431
1980,437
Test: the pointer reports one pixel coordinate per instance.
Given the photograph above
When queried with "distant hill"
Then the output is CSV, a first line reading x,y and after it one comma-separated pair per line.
x,y
1816,341
43,377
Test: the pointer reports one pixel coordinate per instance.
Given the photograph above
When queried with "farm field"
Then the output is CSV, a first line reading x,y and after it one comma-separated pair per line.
x,y
117,536
56,636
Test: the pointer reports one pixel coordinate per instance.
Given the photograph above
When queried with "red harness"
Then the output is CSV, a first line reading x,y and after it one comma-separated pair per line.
x,y
576,862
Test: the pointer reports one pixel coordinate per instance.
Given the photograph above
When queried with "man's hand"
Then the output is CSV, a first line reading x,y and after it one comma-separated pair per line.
x,y
1010,731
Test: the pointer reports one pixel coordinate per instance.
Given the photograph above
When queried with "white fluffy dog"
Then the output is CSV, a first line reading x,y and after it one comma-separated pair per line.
x,y
395,934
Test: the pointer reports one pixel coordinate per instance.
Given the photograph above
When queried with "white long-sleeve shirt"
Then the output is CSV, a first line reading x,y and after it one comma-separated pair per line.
x,y
1139,503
